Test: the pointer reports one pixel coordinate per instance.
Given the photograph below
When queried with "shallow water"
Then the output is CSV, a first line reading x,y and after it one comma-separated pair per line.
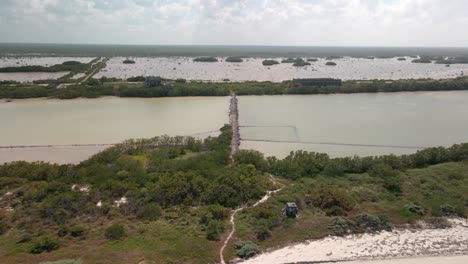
x,y
30,76
340,125
362,124
60,155
107,120
253,70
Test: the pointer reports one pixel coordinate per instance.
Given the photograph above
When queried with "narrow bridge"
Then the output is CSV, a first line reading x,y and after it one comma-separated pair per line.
x,y
234,122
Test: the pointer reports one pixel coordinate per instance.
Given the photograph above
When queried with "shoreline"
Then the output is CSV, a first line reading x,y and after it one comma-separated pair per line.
x,y
401,243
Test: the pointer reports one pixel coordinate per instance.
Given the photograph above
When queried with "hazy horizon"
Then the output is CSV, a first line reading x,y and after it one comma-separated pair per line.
x,y
297,23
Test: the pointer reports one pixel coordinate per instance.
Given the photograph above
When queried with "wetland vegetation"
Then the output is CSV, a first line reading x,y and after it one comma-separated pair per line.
x,y
175,88
269,62
205,59
234,59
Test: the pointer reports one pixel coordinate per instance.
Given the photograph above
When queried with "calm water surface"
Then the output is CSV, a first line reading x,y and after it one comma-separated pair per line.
x,y
101,121
378,123
340,125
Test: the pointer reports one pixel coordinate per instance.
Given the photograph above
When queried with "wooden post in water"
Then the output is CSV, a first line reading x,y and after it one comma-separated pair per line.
x,y
234,122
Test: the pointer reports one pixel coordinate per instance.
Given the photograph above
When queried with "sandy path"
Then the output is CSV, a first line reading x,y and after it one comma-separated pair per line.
x,y
401,243
233,216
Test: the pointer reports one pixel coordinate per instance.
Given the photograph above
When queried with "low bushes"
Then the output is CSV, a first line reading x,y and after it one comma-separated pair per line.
x,y
372,223
78,231
246,249
128,61
115,232
269,62
333,201
292,60
447,210
214,229
205,59
234,59
44,244
342,226
412,208
149,211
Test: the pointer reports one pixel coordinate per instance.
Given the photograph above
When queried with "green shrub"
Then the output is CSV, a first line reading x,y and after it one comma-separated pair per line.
x,y
382,170
63,231
71,63
77,231
128,61
253,157
44,244
330,199
246,249
115,232
269,62
214,229
342,226
136,79
371,223
301,64
205,59
335,211
415,209
262,230
148,211
234,59
447,210
292,60
218,212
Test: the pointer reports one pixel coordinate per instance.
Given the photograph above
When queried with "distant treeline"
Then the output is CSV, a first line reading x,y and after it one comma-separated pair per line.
x,y
66,66
223,51
182,88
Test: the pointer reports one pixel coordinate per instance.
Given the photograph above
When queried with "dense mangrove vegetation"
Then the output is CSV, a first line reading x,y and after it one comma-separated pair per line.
x,y
269,62
134,88
234,59
205,59
73,66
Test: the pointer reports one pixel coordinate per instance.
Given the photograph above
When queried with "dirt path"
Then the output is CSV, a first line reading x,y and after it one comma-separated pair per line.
x,y
104,60
233,215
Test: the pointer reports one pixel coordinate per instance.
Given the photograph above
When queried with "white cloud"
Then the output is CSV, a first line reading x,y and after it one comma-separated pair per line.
x,y
267,22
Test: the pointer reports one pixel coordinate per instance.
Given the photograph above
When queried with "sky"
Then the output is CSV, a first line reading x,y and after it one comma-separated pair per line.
x,y
423,23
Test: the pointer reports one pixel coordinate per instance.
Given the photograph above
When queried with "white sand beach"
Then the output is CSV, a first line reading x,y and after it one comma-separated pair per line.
x,y
383,247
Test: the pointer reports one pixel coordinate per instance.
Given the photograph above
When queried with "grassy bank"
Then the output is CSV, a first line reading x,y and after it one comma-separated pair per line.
x,y
112,87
